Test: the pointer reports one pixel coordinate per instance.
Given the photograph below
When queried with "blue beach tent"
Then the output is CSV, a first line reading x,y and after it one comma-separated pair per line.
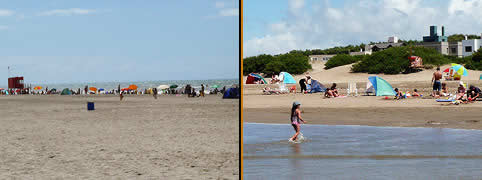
x,y
381,87
287,78
316,87
232,93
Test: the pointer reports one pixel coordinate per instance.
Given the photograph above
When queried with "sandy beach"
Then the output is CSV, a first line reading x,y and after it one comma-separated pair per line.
x,y
48,137
365,110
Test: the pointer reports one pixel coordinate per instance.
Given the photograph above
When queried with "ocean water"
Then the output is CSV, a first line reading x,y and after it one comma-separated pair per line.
x,y
141,84
361,152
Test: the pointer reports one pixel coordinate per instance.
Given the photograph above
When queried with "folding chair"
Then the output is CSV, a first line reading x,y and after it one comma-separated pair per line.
x,y
352,89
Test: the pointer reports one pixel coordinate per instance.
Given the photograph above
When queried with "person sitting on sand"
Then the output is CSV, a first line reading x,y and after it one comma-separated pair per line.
x,y
460,91
398,94
445,91
473,93
415,93
296,119
332,91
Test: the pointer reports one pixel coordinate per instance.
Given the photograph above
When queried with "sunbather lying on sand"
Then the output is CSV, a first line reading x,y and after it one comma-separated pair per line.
x,y
269,91
415,93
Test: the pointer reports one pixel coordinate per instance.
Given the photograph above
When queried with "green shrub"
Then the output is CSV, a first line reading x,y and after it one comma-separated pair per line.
x,y
342,59
395,60
294,63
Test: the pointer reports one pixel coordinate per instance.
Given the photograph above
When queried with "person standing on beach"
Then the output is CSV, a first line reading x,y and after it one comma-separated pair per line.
x,y
121,96
296,119
85,89
118,89
154,92
437,85
303,85
202,90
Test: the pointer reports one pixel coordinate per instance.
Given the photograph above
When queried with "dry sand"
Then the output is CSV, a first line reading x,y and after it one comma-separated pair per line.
x,y
48,137
365,110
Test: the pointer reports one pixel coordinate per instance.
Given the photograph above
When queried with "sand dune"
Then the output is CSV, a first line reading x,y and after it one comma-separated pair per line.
x,y
342,74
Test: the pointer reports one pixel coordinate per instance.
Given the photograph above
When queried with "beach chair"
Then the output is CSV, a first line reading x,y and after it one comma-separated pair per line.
x,y
283,89
369,89
352,89
293,89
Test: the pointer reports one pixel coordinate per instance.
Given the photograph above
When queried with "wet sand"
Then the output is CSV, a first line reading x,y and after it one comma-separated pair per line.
x,y
48,137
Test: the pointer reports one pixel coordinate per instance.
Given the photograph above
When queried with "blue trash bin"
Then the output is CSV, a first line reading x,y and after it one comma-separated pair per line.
x,y
90,106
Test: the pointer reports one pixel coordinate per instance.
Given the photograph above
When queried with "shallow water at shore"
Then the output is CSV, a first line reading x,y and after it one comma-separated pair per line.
x,y
361,151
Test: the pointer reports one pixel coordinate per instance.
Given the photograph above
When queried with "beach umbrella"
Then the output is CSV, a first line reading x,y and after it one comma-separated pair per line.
x,y
163,87
101,89
38,88
215,86
93,89
132,87
173,86
1,89
459,69
124,89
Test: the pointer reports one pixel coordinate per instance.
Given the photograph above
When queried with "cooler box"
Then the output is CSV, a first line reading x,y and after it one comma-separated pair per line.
x,y
90,106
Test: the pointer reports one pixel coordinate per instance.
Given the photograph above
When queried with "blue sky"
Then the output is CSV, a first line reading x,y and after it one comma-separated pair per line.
x,y
58,41
278,26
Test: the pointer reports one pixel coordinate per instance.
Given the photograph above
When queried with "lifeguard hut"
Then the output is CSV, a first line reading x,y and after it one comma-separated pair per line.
x,y
15,83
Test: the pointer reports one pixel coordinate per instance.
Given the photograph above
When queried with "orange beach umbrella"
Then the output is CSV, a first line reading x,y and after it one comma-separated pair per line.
x,y
37,88
132,87
93,89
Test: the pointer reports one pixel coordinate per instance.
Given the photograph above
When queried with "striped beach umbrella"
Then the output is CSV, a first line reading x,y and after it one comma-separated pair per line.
x,y
459,69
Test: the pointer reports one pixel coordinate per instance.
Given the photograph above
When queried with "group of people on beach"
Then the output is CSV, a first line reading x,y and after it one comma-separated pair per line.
x,y
470,94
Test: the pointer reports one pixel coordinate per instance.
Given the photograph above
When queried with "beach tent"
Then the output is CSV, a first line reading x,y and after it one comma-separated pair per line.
x,y
232,93
380,86
286,78
316,87
255,77
66,92
163,86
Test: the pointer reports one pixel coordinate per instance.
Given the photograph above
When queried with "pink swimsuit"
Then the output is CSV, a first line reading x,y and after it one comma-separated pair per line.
x,y
294,119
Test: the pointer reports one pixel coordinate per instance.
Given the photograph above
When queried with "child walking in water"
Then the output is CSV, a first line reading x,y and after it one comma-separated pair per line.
x,y
296,119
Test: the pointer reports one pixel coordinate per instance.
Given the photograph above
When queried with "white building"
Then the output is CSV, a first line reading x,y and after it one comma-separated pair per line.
x,y
321,57
393,39
470,46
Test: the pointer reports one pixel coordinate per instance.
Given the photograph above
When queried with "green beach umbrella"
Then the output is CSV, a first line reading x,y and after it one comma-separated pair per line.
x,y
215,86
173,86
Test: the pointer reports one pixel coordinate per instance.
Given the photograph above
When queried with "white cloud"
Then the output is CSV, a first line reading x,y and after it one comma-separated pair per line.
x,y
6,12
219,4
67,12
319,25
229,12
225,9
296,5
